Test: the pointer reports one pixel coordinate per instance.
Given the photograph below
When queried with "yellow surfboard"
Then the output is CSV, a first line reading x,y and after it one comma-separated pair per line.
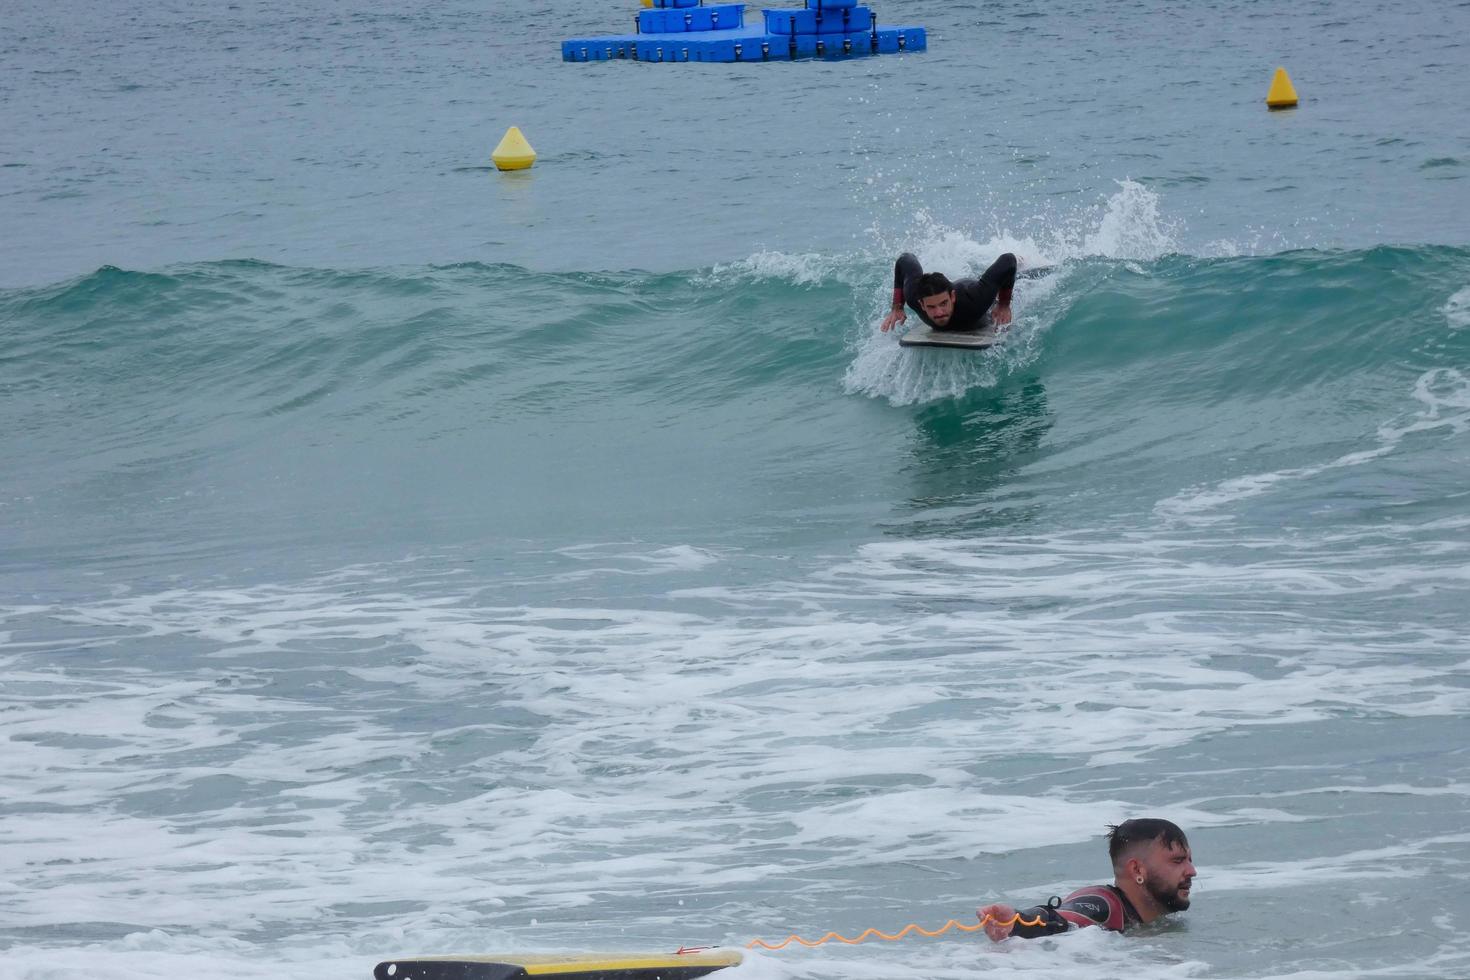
x,y
563,966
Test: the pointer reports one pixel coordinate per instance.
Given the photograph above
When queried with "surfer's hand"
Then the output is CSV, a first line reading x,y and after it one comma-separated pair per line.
x,y
1000,316
998,920
893,319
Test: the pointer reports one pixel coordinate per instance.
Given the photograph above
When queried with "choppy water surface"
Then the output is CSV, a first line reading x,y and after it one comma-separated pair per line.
x,y
397,557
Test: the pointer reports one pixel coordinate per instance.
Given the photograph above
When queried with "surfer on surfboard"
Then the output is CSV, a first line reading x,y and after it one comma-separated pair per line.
x,y
969,304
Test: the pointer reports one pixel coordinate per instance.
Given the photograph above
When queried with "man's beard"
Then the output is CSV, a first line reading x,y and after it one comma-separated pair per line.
x,y
1169,898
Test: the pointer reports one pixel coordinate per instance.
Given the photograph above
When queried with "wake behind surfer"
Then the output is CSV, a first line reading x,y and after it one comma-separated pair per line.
x,y
1154,872
944,305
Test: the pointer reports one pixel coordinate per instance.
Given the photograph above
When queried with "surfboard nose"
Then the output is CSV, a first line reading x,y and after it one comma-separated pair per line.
x,y
570,966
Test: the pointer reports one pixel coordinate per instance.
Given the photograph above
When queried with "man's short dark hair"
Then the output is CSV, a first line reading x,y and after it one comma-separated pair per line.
x,y
934,283
1124,835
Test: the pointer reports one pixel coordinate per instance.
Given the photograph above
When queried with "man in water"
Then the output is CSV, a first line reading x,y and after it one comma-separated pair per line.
x,y
1154,870
944,305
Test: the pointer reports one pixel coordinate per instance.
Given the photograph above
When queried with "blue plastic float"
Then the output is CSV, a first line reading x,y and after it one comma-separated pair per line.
x,y
688,30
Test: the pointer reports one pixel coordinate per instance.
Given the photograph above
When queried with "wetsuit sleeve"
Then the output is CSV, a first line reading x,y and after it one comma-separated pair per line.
x,y
1051,921
994,285
1059,916
1002,276
906,269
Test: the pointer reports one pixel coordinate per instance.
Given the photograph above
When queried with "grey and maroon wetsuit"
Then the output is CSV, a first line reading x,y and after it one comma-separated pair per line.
x,y
1095,905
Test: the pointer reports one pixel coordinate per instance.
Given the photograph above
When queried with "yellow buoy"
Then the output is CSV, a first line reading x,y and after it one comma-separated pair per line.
x,y
513,152
1282,95
648,3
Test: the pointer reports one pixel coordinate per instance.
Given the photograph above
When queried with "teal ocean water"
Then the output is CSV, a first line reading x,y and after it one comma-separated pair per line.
x,y
401,557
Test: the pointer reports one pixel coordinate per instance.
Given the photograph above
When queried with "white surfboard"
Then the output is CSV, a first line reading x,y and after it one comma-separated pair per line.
x,y
958,339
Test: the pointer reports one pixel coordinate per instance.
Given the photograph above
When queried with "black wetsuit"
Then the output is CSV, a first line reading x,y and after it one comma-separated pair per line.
x,y
972,297
1095,905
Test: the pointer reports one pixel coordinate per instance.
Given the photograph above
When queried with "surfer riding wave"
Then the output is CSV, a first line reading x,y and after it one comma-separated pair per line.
x,y
965,305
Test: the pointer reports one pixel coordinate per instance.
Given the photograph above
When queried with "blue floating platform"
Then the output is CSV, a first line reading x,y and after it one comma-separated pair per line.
x,y
832,20
718,17
746,43
687,30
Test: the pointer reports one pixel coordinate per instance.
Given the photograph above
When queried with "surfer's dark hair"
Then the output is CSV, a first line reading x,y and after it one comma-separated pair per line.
x,y
933,283
1123,836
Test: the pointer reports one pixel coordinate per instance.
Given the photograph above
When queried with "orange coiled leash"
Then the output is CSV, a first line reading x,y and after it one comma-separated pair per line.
x,y
876,934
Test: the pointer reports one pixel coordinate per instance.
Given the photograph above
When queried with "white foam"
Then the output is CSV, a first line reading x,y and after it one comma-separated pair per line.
x,y
1132,227
803,269
1406,860
1444,394
1087,952
1456,309
386,759
622,560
